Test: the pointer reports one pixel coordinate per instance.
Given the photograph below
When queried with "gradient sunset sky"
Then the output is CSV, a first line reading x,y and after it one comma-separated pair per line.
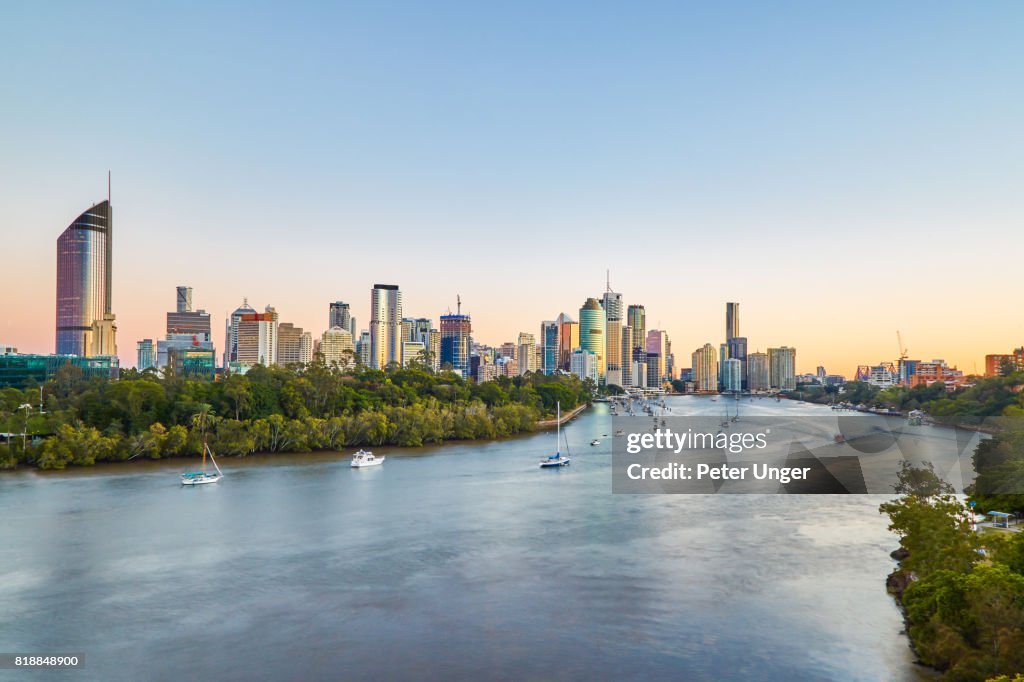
x,y
843,170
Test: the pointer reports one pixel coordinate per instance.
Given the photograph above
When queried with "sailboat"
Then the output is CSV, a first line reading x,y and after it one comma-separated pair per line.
x,y
203,476
557,460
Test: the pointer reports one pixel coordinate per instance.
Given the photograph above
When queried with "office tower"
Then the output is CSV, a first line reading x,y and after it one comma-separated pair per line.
x,y
550,342
782,367
583,363
592,334
186,322
184,299
84,284
509,350
231,331
337,348
103,337
456,331
385,325
407,327
636,318
626,354
657,343
705,368
732,377
758,376
257,338
820,372
732,320
527,353
340,315
186,329
146,357
738,351
569,339
434,349
191,362
654,376
613,313
294,346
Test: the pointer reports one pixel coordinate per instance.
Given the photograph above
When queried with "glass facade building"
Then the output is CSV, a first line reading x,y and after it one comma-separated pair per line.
x,y
19,370
592,334
455,342
83,278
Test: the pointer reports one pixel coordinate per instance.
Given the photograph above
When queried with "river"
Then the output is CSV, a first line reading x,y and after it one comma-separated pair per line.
x,y
464,561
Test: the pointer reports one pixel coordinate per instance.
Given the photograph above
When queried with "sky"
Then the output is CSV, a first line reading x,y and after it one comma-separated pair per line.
x,y
843,170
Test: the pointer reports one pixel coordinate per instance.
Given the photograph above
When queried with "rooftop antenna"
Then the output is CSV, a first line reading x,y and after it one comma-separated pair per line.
x,y
458,303
608,280
108,186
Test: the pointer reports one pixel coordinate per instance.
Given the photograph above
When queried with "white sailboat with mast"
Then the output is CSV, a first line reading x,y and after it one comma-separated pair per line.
x,y
203,476
557,459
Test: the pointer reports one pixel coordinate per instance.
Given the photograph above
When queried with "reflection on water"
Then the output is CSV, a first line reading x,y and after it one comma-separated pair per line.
x,y
465,561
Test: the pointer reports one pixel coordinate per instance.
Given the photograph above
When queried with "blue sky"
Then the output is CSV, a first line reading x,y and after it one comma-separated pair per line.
x,y
828,165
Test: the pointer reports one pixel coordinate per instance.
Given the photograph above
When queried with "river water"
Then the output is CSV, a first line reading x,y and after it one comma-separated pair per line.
x,y
458,562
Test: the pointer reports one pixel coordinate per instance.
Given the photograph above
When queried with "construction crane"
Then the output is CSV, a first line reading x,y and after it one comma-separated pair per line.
x,y
902,350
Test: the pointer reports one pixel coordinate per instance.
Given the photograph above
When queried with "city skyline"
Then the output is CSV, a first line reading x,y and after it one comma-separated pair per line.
x,y
802,161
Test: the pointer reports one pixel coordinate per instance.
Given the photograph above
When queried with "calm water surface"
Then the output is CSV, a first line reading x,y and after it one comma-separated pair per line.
x,y
465,561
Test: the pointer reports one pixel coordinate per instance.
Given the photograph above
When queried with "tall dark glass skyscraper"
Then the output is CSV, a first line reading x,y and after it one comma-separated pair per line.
x,y
83,279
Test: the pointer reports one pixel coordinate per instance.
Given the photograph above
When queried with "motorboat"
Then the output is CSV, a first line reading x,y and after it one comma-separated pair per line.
x,y
366,459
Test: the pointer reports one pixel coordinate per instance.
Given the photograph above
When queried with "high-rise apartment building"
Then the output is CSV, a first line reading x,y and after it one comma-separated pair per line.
x,y
337,348
84,283
583,363
782,368
385,325
626,354
434,349
231,331
592,334
705,368
364,348
758,375
527,353
732,377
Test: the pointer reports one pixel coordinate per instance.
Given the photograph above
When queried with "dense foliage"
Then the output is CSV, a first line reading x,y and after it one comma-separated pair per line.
x,y
270,409
963,593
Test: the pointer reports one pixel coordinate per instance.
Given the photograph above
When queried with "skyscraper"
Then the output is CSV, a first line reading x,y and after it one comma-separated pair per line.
x,y
456,330
231,331
738,351
340,316
257,338
385,325
84,260
732,321
184,299
636,318
592,334
626,353
657,343
550,341
782,367
758,377
705,368
527,353
569,339
294,346
613,312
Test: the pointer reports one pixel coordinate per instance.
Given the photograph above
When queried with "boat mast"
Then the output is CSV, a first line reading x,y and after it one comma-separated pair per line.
x,y
205,448
558,427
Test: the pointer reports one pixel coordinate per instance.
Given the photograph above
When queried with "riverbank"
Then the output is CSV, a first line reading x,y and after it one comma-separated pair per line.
x,y
548,423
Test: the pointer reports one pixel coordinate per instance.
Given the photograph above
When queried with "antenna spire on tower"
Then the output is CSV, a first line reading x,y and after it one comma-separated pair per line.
x,y
458,303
